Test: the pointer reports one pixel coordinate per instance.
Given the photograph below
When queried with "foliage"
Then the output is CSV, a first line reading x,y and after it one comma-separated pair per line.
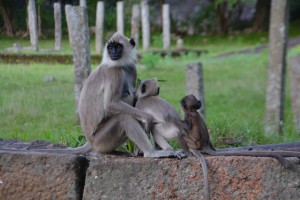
x,y
150,60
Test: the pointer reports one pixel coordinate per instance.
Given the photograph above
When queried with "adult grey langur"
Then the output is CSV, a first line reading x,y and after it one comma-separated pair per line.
x,y
168,123
105,106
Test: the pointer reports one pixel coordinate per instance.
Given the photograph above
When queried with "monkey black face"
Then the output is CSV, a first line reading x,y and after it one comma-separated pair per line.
x,y
190,102
115,50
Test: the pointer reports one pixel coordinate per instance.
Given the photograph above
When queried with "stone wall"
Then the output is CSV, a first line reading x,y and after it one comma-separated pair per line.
x,y
52,176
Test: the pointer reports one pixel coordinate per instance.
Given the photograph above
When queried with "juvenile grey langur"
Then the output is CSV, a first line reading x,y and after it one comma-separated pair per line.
x,y
105,106
198,140
168,123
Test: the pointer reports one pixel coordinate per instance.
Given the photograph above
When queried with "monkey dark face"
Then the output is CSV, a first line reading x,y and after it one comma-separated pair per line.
x,y
148,88
190,102
115,50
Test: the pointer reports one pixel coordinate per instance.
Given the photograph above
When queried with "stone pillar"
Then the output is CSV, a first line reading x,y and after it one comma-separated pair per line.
x,y
57,20
166,26
145,24
277,66
99,26
82,3
195,84
77,22
32,24
135,24
120,17
179,44
294,69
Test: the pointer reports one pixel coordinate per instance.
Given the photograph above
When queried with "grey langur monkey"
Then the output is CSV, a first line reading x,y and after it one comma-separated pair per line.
x,y
106,110
197,140
168,123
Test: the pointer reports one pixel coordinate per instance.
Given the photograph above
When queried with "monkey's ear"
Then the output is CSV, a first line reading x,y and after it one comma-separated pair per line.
x,y
183,104
143,88
132,42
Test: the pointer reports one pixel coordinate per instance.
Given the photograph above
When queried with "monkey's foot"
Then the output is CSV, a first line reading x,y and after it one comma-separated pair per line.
x,y
165,154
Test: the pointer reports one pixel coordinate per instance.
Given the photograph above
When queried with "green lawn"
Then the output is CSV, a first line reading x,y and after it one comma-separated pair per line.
x,y
235,89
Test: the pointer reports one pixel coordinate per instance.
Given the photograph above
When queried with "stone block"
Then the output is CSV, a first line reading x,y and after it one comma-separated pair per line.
x,y
41,176
230,178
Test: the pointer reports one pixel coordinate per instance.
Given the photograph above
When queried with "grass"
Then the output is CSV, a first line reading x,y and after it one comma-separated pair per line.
x,y
235,89
210,43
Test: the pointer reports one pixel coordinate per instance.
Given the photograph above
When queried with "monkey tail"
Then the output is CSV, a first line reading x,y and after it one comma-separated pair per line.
x,y
199,155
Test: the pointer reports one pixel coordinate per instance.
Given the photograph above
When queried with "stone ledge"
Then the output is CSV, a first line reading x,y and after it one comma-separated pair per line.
x,y
52,176
41,176
229,177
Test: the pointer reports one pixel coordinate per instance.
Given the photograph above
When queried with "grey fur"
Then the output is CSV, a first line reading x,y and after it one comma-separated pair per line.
x,y
168,123
106,109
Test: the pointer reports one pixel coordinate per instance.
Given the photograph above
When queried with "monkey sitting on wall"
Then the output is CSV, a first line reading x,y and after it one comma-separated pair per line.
x,y
197,140
168,123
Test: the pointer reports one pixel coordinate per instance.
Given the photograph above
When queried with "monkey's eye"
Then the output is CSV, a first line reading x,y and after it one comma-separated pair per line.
x,y
143,88
119,47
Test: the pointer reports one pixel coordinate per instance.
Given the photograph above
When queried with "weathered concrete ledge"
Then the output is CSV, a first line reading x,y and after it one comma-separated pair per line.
x,y
50,176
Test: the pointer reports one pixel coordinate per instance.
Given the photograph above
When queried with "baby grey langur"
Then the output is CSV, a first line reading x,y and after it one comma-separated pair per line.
x,y
168,123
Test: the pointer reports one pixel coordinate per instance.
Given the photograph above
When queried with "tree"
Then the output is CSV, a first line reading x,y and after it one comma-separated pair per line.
x,y
261,16
224,12
7,19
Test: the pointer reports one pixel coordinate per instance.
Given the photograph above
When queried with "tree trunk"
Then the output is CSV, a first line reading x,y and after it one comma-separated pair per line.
x,y
39,20
6,19
261,15
222,18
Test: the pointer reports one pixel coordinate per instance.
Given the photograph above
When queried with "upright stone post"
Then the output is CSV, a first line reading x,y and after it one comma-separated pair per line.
x,y
120,17
195,84
99,26
32,25
145,24
294,69
166,26
57,20
277,66
77,21
82,3
135,24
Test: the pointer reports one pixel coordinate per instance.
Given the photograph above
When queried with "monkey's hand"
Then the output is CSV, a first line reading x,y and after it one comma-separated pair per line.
x,y
148,122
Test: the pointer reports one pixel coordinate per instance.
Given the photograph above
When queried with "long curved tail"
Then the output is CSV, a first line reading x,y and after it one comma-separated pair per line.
x,y
199,155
